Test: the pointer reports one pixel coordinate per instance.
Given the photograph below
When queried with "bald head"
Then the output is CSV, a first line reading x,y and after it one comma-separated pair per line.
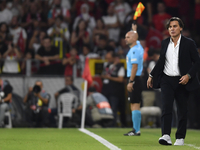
x,y
131,38
133,34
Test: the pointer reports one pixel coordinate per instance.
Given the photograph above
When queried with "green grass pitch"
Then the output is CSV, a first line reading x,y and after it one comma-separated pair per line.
x,y
73,139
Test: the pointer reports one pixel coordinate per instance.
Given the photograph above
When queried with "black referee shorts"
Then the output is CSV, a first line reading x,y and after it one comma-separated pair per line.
x,y
136,95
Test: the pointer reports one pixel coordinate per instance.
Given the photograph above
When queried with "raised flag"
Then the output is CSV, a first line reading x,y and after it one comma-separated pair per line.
x,y
86,72
140,8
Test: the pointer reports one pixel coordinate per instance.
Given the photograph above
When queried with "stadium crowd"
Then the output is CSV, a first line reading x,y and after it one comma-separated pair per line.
x,y
56,34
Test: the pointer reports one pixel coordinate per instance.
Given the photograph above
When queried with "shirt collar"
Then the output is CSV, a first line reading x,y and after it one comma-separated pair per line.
x,y
177,41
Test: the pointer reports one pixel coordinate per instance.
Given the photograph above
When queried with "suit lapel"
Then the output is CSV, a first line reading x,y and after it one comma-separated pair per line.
x,y
181,46
166,46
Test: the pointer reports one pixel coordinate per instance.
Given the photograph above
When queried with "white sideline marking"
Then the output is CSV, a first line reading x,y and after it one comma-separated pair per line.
x,y
190,145
100,139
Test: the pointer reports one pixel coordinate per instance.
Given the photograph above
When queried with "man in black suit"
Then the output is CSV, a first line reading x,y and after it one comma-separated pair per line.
x,y
175,73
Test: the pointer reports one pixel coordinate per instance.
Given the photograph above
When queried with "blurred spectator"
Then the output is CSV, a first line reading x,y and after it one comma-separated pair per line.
x,y
48,56
33,19
64,3
112,23
11,56
197,16
58,10
86,54
37,101
36,41
122,9
4,30
185,13
80,36
160,19
78,3
186,32
123,48
33,45
69,88
154,56
89,20
69,61
3,45
3,48
5,98
5,14
114,45
100,29
76,104
102,46
99,8
15,7
19,34
98,110
172,7
60,36
113,77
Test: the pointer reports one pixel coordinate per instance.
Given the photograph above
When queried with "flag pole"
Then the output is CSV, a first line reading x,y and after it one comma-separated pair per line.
x,y
84,105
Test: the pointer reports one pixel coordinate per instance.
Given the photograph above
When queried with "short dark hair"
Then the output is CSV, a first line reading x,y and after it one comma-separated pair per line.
x,y
152,52
102,37
71,77
60,17
116,55
87,46
180,22
47,37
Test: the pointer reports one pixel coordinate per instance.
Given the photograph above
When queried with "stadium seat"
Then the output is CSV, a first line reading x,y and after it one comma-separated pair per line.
x,y
9,125
65,107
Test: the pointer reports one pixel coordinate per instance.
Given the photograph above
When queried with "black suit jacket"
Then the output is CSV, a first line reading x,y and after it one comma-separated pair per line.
x,y
189,62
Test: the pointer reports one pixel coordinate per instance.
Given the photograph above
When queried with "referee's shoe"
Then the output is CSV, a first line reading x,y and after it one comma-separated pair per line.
x,y
132,133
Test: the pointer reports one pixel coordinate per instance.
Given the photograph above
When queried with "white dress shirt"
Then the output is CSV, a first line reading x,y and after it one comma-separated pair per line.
x,y
171,67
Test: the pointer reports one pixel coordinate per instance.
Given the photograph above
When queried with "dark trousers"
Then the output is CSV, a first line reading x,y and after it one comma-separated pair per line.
x,y
171,90
114,102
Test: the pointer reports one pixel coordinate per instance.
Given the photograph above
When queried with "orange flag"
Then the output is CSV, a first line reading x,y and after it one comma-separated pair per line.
x,y
86,72
139,10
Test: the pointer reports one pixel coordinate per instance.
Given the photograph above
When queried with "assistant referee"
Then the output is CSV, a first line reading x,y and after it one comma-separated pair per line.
x,y
134,60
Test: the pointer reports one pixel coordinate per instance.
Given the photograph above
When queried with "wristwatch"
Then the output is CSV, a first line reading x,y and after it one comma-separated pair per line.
x,y
188,75
150,76
131,81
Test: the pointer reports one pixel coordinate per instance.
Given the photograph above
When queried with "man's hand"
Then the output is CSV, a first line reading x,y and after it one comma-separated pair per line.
x,y
150,82
1,101
73,110
130,87
107,76
184,80
81,34
134,27
37,94
30,89
46,61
